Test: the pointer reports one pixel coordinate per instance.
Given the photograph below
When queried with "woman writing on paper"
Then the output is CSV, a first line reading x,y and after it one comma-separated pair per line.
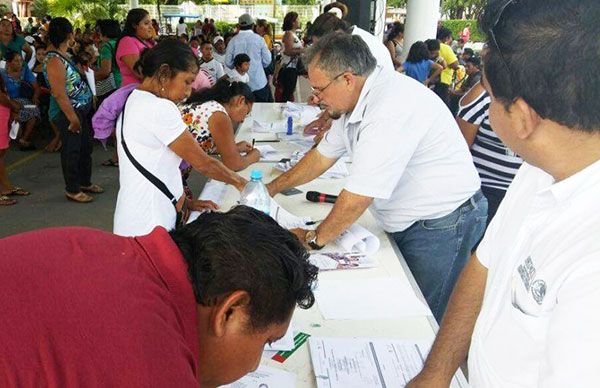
x,y
210,116
151,135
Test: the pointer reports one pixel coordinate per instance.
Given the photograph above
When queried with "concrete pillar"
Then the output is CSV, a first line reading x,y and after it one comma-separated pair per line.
x,y
380,12
134,4
421,22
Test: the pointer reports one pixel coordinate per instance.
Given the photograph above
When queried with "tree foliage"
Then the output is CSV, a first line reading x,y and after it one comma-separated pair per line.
x,y
86,11
459,9
397,3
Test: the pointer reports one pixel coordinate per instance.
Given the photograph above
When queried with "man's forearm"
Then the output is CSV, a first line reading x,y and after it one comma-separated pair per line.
x,y
347,209
308,168
454,337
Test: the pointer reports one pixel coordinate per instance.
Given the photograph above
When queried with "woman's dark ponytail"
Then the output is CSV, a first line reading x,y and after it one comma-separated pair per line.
x,y
222,92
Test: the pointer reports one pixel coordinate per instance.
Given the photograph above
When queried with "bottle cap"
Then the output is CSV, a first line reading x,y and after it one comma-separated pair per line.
x,y
256,174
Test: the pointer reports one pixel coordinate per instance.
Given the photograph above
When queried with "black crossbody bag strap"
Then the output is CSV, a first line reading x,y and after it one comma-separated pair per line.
x,y
147,174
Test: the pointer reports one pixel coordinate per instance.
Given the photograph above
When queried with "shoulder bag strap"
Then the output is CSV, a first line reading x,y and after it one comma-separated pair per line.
x,y
147,174
70,63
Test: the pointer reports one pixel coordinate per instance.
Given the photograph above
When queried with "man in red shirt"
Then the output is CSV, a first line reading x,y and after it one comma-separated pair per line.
x,y
85,308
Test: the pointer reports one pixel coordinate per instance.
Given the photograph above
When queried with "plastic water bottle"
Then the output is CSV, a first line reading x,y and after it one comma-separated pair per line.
x,y
255,194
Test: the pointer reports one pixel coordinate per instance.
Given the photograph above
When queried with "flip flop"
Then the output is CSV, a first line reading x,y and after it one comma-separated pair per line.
x,y
6,201
92,189
16,191
110,163
80,197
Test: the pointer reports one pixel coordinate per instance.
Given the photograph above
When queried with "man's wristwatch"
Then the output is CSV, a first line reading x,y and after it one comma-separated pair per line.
x,y
311,239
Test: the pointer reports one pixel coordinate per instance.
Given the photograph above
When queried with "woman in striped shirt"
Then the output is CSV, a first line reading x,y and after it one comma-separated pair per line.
x,y
495,162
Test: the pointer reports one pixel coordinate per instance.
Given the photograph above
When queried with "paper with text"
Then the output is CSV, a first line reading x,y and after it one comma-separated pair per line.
x,y
358,363
358,239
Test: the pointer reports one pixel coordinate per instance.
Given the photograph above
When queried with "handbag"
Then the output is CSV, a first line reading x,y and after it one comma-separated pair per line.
x,y
108,84
183,214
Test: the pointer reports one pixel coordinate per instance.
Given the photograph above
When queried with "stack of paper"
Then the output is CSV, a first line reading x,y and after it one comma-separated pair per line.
x,y
337,171
358,239
327,261
359,363
339,299
303,113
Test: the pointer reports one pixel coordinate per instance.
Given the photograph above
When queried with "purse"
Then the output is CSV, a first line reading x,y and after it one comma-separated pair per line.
x,y
183,214
108,84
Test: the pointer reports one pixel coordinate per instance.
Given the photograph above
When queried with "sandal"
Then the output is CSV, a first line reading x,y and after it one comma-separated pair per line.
x,y
80,197
110,163
16,191
6,201
92,189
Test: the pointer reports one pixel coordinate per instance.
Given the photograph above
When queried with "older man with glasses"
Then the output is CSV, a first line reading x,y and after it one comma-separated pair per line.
x,y
525,308
410,164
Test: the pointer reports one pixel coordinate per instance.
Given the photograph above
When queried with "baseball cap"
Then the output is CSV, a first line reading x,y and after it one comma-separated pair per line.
x,y
246,20
217,39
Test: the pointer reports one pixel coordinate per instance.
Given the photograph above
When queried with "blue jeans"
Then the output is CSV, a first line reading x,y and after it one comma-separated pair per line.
x,y
436,250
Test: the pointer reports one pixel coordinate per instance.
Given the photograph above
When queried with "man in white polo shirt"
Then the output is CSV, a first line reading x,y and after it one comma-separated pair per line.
x,y
526,307
410,164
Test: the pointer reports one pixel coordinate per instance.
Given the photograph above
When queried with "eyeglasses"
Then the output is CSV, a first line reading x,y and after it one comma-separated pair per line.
x,y
318,91
493,36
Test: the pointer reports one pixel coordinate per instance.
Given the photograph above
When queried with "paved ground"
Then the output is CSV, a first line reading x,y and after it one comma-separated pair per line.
x,y
40,173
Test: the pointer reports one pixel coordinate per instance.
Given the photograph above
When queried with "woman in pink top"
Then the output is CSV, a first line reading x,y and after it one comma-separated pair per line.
x,y
137,36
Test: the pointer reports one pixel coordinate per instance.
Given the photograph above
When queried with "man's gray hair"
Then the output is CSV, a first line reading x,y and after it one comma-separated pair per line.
x,y
338,52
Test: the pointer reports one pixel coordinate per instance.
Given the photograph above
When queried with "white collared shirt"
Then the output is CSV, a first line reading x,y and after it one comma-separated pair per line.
x,y
539,325
252,44
378,49
407,152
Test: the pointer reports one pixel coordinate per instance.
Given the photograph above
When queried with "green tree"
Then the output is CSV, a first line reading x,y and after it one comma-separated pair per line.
x,y
40,8
87,11
397,3
460,9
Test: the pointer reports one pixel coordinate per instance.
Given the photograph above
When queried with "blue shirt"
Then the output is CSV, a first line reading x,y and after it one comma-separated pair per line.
x,y
13,87
418,71
247,42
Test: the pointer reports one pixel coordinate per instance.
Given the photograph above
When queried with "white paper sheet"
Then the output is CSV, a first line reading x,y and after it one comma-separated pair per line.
x,y
359,363
268,153
265,377
358,239
89,75
343,299
213,191
285,344
279,126
288,220
327,261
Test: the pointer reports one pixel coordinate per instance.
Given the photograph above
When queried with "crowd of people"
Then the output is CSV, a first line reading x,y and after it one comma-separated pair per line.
x,y
485,182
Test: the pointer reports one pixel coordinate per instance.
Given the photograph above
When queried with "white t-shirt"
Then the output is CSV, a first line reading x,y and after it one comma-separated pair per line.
x,y
539,322
220,58
407,152
234,75
181,28
151,124
214,69
378,49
